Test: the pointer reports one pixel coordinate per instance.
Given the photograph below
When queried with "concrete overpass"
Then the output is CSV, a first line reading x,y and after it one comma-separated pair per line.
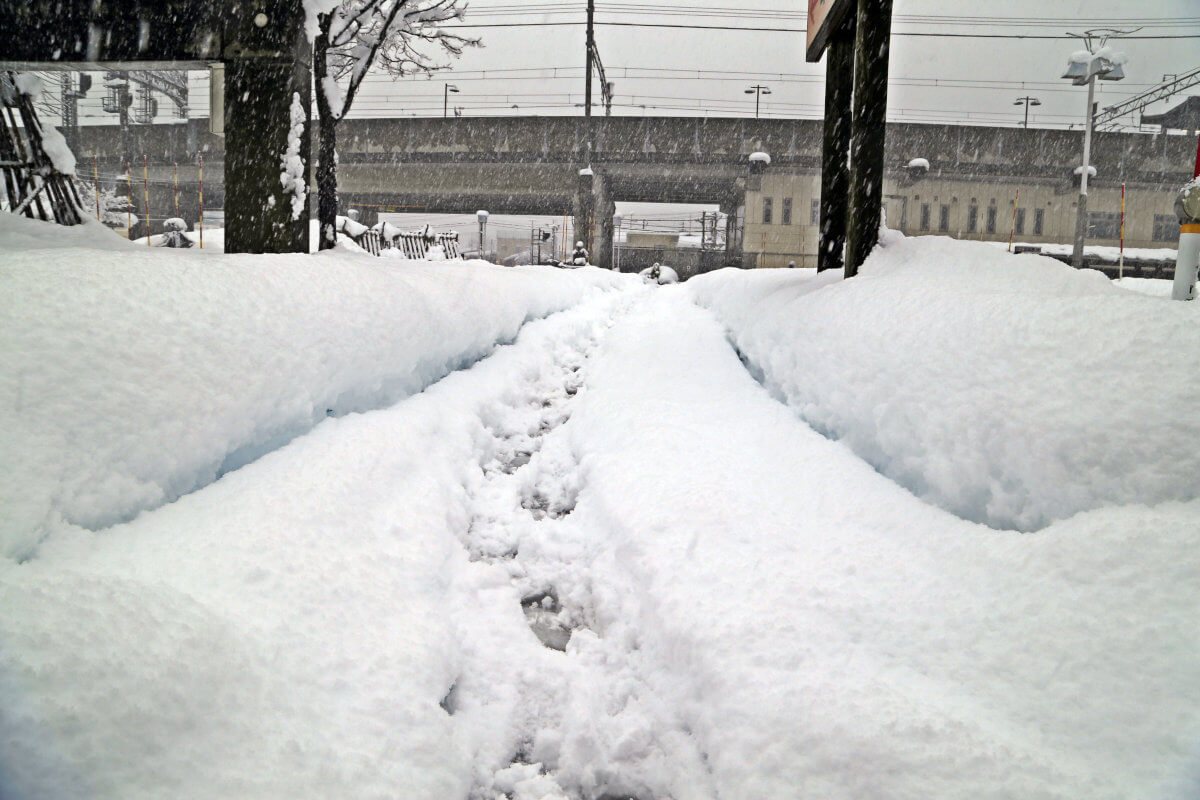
x,y
531,165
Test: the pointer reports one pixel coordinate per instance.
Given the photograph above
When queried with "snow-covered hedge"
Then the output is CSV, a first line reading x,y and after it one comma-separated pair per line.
x,y
1010,390
132,375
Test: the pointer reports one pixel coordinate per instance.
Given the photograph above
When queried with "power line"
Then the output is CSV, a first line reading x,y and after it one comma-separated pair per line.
x,y
679,25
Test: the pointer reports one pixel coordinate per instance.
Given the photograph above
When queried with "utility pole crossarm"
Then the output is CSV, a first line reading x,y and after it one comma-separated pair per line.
x,y
1146,98
173,85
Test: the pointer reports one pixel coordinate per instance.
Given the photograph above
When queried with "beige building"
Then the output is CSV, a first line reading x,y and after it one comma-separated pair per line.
x,y
782,218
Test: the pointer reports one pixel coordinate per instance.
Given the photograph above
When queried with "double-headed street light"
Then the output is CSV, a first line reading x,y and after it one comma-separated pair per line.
x,y
449,87
758,92
1027,101
1083,67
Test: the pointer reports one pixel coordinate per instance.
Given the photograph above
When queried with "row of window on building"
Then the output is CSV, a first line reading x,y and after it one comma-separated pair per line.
x,y
991,214
785,216
1101,224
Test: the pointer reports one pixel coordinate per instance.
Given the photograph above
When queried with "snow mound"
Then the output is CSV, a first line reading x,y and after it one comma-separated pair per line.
x,y
918,163
133,375
659,274
1010,390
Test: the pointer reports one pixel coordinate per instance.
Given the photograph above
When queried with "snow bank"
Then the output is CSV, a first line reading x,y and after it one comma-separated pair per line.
x,y
133,375
306,627
817,630
1011,390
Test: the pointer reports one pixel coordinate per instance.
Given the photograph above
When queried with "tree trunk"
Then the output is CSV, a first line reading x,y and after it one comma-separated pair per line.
x,y
327,199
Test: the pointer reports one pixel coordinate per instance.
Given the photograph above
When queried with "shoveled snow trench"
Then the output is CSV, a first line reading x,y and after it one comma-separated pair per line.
x,y
601,563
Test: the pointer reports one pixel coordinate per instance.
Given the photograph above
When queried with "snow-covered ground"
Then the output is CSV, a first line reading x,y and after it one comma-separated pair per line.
x,y
1102,252
136,374
602,556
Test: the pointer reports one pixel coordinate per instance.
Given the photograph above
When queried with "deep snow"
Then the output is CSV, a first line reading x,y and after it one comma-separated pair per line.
x,y
134,375
1011,390
603,559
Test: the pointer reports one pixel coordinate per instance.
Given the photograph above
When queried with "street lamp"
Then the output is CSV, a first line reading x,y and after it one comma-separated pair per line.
x,y
758,92
1027,101
617,218
448,88
1083,67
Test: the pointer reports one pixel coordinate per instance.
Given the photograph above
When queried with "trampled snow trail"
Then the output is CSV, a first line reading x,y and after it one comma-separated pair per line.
x,y
590,725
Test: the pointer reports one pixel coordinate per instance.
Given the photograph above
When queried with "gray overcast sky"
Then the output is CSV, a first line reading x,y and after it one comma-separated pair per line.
x,y
999,69
539,69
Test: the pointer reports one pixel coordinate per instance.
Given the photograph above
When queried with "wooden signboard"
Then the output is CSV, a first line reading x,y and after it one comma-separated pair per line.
x,y
824,17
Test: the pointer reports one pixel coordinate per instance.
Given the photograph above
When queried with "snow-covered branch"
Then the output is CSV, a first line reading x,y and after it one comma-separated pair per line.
x,y
401,36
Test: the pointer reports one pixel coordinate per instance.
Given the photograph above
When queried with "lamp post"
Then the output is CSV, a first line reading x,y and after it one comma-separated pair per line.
x,y
482,216
758,91
617,218
446,90
1084,67
1027,101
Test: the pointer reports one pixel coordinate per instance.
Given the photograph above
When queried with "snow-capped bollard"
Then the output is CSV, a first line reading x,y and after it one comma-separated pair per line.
x,y
1187,208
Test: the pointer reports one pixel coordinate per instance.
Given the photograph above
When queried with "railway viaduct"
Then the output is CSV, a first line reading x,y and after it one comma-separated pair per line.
x,y
532,165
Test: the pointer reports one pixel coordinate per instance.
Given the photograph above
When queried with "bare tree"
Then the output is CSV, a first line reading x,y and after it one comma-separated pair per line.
x,y
401,36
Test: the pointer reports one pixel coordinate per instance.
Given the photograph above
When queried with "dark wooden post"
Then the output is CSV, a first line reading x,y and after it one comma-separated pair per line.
x,y
872,34
268,68
835,150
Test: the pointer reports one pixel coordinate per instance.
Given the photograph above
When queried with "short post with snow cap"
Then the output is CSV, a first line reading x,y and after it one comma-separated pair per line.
x,y
617,219
1187,261
482,217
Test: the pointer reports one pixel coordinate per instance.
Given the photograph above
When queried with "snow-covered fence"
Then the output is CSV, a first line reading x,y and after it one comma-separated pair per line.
x,y
417,244
36,163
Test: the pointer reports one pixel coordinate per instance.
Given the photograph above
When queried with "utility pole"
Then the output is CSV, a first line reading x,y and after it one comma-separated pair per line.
x,y
871,46
1028,101
758,92
835,169
591,47
446,90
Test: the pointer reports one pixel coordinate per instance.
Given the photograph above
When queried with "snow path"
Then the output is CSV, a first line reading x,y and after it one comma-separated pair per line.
x,y
592,725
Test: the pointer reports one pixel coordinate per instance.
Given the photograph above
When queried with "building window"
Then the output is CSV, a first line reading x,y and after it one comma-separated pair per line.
x,y
816,212
786,211
924,216
1166,228
991,219
1039,221
1019,224
972,217
944,218
1104,224
767,204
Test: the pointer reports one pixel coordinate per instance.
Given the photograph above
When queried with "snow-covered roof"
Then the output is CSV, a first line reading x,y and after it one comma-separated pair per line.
x,y
760,157
918,163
